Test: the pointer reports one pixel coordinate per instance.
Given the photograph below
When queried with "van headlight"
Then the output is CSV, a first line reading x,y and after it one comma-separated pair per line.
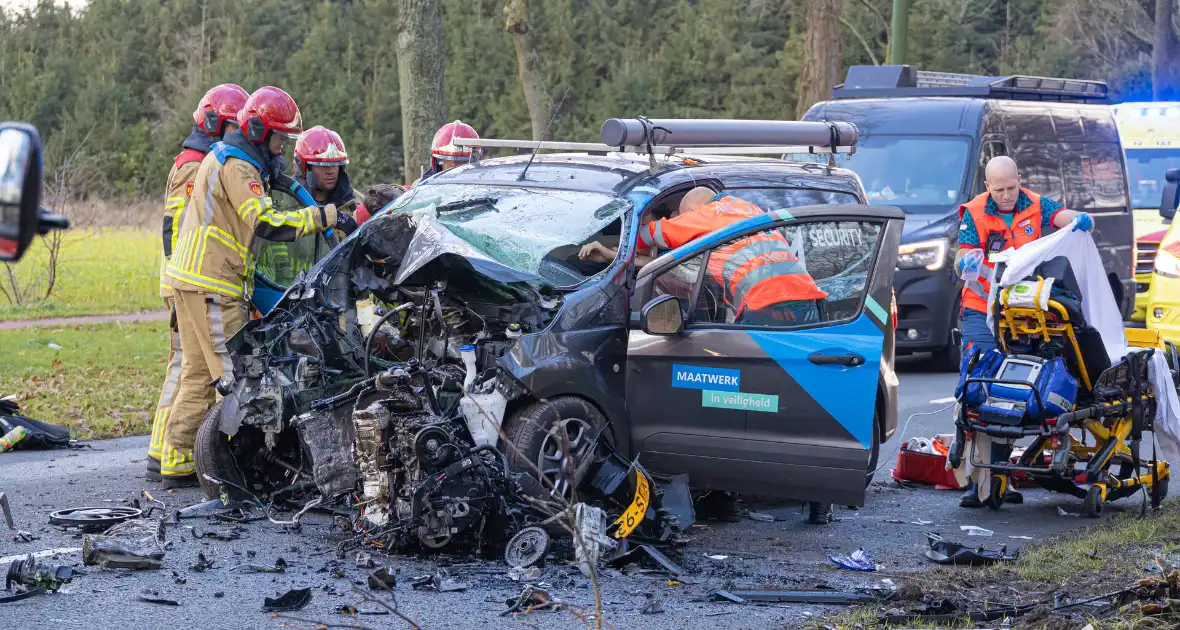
x,y
928,254
1167,261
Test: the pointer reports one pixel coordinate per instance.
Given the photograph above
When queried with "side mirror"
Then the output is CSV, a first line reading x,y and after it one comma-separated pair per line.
x,y
20,188
662,316
1168,202
21,216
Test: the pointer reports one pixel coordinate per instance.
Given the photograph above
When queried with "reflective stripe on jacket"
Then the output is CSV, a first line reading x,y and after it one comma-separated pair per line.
x,y
181,180
1026,228
757,271
229,207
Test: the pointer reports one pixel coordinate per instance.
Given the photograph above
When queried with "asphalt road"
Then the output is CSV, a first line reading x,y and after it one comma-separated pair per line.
x,y
786,554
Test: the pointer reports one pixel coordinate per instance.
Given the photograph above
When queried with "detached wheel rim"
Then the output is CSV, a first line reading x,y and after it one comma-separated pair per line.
x,y
556,465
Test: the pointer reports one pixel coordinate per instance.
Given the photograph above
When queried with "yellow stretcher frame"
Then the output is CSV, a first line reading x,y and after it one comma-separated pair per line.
x,y
1030,322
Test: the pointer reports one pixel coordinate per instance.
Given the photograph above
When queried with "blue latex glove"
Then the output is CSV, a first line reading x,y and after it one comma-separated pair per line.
x,y
1083,222
969,262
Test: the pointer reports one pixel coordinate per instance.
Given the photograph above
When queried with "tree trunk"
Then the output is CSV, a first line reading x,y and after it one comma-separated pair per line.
x,y
528,62
823,49
420,80
1165,53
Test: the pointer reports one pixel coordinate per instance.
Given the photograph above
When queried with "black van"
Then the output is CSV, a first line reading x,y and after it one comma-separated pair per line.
x,y
925,138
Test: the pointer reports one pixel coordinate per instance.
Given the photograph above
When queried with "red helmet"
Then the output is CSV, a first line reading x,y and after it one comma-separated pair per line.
x,y
270,109
217,106
444,147
319,146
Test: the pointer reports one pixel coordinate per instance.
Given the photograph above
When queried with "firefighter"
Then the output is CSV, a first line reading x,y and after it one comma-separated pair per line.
x,y
216,115
445,154
320,158
770,286
1007,215
211,270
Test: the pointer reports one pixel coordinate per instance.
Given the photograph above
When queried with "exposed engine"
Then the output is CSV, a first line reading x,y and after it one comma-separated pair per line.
x,y
374,387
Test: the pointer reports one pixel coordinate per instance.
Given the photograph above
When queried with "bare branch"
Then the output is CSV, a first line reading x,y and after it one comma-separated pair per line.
x,y
863,42
877,12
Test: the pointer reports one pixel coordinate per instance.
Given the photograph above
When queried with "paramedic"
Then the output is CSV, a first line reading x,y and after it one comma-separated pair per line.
x,y
1005,216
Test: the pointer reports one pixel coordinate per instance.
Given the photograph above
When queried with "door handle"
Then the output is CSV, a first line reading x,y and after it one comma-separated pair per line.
x,y
850,359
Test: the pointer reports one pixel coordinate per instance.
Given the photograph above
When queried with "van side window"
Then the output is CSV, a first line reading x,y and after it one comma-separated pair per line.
x,y
1040,168
832,259
1094,176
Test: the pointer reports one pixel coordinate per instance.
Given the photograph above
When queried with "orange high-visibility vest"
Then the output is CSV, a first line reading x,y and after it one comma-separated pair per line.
x,y
1026,228
756,271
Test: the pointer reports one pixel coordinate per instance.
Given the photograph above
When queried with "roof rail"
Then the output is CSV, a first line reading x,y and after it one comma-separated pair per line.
x,y
907,81
699,137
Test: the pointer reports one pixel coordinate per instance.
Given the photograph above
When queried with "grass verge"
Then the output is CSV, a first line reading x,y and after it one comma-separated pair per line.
x,y
102,382
101,271
1081,564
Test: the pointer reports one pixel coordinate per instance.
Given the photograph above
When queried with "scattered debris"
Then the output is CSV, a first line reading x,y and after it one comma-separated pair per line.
x,y
1021,537
206,508
21,536
722,595
531,598
1061,512
176,577
590,540
29,573
382,580
219,595
527,547
41,554
976,531
287,602
154,597
213,534
652,604
351,611
860,560
524,574
943,551
93,518
135,544
279,567
6,511
760,517
638,552
364,560
201,564
438,582
712,556
921,522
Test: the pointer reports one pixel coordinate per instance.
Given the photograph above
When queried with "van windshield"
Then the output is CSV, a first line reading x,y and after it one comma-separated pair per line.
x,y
1146,168
915,173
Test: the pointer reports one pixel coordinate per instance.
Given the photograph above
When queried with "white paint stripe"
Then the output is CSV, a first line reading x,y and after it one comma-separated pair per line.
x,y
39,554
943,401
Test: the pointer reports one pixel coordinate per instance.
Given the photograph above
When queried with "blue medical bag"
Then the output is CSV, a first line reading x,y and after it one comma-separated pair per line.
x,y
1014,404
986,367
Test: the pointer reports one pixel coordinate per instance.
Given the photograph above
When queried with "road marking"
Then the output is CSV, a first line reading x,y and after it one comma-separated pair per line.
x,y
943,401
39,554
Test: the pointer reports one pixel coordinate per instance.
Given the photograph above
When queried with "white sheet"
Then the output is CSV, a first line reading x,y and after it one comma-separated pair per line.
x,y
1098,305
1101,312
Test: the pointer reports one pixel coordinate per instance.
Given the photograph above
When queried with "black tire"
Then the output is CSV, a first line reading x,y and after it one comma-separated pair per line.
x,y
995,499
875,450
533,428
1163,490
213,454
1093,502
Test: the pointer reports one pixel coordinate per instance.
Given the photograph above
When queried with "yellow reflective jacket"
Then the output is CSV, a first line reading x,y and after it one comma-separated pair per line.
x,y
230,206
181,180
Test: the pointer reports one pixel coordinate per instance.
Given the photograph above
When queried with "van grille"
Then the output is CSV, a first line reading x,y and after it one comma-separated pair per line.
x,y
1145,258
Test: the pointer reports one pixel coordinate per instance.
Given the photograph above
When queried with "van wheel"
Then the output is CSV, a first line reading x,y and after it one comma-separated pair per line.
x,y
550,438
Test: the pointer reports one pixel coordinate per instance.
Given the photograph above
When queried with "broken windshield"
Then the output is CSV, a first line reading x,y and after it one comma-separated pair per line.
x,y
532,230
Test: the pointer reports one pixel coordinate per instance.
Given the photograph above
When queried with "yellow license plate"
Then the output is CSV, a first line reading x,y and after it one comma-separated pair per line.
x,y
631,518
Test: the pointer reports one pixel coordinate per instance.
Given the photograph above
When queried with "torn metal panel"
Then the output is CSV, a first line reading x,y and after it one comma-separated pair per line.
x,y
329,442
134,544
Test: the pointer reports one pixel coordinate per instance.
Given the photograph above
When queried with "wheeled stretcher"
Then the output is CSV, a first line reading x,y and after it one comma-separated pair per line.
x,y
1052,381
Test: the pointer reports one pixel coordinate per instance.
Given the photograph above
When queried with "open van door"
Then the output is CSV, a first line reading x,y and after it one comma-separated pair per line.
x,y
789,408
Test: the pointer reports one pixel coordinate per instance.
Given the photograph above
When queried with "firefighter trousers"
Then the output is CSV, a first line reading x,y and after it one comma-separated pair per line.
x,y
171,384
205,321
